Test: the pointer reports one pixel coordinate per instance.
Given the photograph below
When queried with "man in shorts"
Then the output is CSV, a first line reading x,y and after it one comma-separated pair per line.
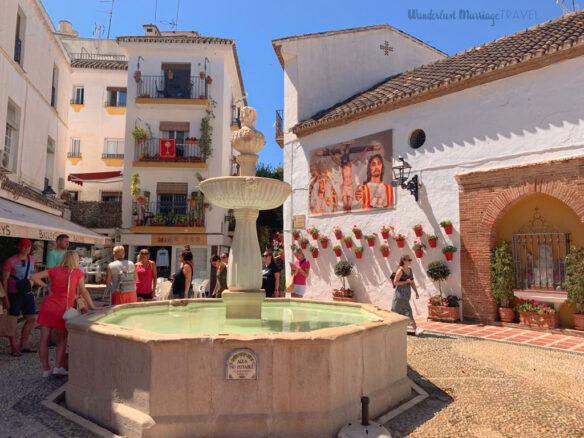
x,y
20,267
56,255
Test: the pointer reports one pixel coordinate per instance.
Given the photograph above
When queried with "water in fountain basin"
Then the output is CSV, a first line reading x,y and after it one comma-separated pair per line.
x,y
209,318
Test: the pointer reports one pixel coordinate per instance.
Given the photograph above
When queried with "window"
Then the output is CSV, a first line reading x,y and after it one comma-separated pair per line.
x,y
172,198
116,96
8,153
50,163
111,196
179,136
54,86
74,148
114,148
78,95
19,37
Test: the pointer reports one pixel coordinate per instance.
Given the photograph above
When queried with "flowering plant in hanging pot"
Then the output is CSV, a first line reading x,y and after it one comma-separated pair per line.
x,y
296,234
370,238
348,241
432,240
385,230
418,248
303,243
449,251
359,252
281,254
293,247
314,251
337,250
447,225
324,241
313,232
357,232
384,248
338,232
418,230
400,240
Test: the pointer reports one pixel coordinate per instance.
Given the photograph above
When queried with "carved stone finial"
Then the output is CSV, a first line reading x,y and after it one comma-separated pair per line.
x,y
248,141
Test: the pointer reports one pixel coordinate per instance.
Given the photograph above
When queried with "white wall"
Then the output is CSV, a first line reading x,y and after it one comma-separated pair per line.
x,y
532,117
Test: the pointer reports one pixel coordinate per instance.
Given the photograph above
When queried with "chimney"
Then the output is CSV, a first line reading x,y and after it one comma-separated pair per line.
x,y
151,30
66,28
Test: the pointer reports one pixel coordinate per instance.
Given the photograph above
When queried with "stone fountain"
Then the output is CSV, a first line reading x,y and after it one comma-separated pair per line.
x,y
246,194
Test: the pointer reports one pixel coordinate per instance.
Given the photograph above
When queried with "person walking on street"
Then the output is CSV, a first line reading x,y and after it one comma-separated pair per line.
x,y
270,275
225,258
404,283
146,270
121,277
55,256
66,279
221,281
181,284
19,298
300,270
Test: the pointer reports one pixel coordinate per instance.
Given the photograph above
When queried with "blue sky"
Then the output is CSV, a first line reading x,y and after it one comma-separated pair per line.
x,y
254,28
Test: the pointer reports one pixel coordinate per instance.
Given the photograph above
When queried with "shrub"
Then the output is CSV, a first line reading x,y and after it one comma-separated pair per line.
x,y
438,272
343,269
501,275
575,278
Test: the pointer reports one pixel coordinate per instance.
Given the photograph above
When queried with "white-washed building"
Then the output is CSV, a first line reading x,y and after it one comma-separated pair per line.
x,y
495,136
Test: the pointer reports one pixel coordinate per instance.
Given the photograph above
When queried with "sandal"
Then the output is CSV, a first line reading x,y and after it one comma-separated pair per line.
x,y
16,354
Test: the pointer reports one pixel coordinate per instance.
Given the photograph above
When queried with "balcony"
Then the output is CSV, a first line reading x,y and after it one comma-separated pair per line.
x,y
180,90
154,152
77,104
280,127
115,108
98,57
159,216
18,50
96,214
235,122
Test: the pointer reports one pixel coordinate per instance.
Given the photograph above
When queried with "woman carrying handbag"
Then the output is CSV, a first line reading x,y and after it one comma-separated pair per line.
x,y
65,279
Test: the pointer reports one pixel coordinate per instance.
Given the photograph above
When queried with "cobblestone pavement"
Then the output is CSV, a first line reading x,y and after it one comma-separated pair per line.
x,y
487,389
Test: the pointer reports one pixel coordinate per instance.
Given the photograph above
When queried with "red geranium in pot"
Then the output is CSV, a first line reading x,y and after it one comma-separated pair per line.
x,y
313,232
314,251
357,232
385,230
370,238
359,252
303,243
338,232
418,230
400,240
348,241
337,250
324,241
296,234
384,248
418,248
447,225
432,240
449,251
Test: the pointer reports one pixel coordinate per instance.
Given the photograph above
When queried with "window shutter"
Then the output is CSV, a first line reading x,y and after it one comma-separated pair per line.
x,y
174,126
167,188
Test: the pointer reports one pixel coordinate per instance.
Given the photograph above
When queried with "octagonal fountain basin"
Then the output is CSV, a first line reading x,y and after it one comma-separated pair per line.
x,y
166,369
245,192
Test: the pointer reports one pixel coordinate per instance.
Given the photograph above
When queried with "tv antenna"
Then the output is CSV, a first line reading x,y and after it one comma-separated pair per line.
x,y
110,13
174,22
98,30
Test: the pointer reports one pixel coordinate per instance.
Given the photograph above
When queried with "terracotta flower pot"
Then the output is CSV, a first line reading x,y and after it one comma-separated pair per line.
x,y
324,245
315,254
449,256
359,255
338,235
449,314
371,242
419,253
418,231
531,319
385,234
315,236
349,244
304,245
385,254
296,236
400,243
579,321
506,314
338,252
448,229
358,234
432,243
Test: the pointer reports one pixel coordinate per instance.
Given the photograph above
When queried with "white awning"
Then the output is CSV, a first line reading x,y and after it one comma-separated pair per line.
x,y
17,220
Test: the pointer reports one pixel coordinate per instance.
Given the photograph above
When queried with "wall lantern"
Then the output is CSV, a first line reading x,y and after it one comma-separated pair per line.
x,y
48,191
401,174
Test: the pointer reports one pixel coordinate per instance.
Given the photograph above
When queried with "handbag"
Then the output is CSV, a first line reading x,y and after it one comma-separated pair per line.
x,y
71,312
23,285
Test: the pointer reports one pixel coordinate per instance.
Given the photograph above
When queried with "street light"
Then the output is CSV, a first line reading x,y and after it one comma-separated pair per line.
x,y
401,174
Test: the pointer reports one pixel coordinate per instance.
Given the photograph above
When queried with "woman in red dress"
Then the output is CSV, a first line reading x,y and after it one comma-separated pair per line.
x,y
64,281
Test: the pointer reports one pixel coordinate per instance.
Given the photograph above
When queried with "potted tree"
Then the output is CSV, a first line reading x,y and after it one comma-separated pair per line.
x,y
337,250
384,248
359,252
338,232
440,307
314,251
324,241
357,232
449,251
342,270
502,281
575,284
400,240
135,190
447,225
418,230
140,134
432,240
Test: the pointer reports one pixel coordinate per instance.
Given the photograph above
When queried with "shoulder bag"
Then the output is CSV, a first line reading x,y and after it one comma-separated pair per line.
x,y
71,312
23,285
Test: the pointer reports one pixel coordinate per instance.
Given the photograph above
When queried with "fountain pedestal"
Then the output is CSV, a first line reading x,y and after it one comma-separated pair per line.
x,y
243,305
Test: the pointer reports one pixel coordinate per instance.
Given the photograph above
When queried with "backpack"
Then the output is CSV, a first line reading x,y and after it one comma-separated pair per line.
x,y
392,278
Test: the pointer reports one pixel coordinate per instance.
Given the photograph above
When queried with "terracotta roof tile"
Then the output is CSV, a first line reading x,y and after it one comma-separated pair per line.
x,y
174,39
561,34
99,64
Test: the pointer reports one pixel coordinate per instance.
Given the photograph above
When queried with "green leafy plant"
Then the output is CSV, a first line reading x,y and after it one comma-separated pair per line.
x,y
438,271
418,245
445,222
535,307
449,301
431,237
342,270
313,249
575,278
296,233
370,237
312,230
159,219
180,219
359,249
399,236
135,190
417,227
140,133
206,140
293,247
304,240
501,275
337,248
449,248
347,239
324,239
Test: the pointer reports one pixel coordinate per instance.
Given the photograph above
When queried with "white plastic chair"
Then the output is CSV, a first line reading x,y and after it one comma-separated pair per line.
x,y
200,291
163,290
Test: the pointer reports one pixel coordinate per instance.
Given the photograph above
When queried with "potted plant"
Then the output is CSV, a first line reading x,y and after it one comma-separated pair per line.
x,y
438,306
418,230
384,248
135,190
293,247
357,232
281,254
535,314
303,242
324,241
337,250
370,238
348,241
65,195
418,248
313,231
296,234
449,251
209,80
502,281
140,134
575,284
180,220
191,140
202,75
385,230
359,252
137,76
400,240
432,240
338,232
342,270
447,225
314,251
159,220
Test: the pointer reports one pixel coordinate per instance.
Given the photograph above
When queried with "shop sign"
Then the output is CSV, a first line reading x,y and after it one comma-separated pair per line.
x,y
179,239
299,221
241,365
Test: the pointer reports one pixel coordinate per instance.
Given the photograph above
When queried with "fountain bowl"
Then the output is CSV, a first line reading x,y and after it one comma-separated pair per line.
x,y
251,192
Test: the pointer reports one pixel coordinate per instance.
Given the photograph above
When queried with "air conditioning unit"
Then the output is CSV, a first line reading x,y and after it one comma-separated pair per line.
x,y
61,184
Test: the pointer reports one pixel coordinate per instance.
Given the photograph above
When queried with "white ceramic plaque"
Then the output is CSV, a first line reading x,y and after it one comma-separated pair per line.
x,y
242,365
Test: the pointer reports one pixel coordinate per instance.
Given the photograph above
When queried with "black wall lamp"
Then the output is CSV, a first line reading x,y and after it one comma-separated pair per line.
x,y
401,174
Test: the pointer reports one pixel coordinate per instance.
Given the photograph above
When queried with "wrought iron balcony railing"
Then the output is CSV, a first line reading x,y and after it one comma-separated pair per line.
x,y
155,150
160,87
188,213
